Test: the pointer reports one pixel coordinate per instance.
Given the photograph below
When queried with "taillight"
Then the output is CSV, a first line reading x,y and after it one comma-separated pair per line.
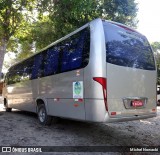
x,y
103,83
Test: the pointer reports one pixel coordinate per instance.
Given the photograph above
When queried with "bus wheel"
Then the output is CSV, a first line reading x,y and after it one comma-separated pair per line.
x,y
43,118
6,106
8,109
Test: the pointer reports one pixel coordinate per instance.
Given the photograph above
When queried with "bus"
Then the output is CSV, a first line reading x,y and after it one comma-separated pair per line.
x,y
102,72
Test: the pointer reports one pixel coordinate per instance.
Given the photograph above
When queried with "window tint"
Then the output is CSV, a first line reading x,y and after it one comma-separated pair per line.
x,y
51,62
15,75
20,72
28,66
70,54
36,71
73,51
127,48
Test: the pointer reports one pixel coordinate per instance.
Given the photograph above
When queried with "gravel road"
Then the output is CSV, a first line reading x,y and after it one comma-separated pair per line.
x,y
22,129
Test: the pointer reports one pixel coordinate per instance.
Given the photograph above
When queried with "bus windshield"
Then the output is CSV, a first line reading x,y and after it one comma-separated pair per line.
x,y
126,47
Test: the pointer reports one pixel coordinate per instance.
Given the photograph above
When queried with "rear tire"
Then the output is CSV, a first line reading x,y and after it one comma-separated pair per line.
x,y
6,106
8,109
43,118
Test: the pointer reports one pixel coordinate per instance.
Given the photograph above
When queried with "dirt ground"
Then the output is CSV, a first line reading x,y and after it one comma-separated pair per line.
x,y
19,128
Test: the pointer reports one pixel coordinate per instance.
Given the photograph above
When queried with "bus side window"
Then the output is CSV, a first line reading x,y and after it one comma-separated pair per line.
x,y
27,72
37,66
9,81
72,53
65,58
13,76
76,51
19,73
86,48
51,62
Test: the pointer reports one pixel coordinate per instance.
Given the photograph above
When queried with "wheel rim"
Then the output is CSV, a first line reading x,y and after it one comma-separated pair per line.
x,y
42,115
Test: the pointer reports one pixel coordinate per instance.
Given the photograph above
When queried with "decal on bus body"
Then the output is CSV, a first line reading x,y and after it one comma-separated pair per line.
x,y
78,90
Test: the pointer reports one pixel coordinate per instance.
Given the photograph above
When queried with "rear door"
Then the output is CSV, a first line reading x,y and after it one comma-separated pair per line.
x,y
131,72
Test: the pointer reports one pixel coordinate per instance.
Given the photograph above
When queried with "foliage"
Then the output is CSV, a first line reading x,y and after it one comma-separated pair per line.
x,y
67,15
56,18
156,46
43,32
121,11
156,49
13,16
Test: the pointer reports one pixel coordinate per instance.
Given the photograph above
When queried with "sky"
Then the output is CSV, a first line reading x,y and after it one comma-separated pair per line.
x,y
149,19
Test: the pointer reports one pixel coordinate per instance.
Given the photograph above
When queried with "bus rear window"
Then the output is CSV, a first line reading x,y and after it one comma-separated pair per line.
x,y
127,48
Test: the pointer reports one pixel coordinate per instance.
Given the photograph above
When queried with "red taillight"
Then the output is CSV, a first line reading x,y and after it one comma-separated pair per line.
x,y
103,83
154,110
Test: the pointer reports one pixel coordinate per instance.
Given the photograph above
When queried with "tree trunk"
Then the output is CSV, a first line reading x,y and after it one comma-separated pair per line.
x,y
3,45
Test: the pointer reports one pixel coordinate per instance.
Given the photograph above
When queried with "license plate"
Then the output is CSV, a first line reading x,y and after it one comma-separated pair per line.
x,y
137,103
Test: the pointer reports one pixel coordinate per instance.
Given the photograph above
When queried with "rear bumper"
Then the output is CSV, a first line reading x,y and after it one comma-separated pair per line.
x,y
131,118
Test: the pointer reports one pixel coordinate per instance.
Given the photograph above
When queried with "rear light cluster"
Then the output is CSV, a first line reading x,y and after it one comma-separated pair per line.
x,y
154,110
102,81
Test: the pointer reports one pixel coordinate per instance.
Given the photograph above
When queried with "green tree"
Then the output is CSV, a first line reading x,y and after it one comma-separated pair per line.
x,y
67,15
64,16
156,49
56,18
12,13
121,11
